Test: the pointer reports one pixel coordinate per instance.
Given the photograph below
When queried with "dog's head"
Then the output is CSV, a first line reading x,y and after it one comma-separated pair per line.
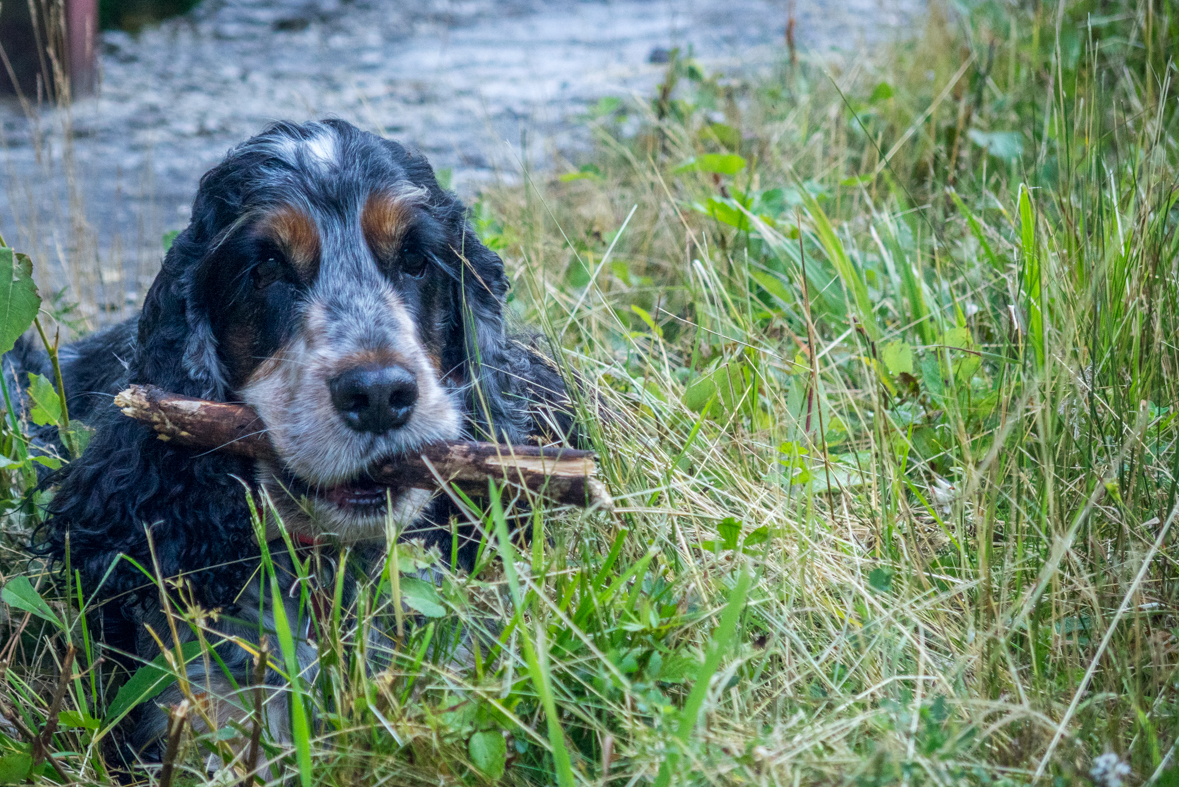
x,y
330,283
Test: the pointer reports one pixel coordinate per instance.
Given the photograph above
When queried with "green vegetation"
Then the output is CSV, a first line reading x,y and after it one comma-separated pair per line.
x,y
134,15
886,356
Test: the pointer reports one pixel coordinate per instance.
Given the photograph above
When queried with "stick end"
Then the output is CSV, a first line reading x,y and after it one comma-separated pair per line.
x,y
598,496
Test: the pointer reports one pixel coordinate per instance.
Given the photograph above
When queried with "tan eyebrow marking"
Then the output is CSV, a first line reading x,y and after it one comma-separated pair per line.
x,y
297,236
386,217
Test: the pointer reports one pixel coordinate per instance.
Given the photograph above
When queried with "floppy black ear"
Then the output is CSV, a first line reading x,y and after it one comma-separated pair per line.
x,y
483,286
518,393
177,349
129,483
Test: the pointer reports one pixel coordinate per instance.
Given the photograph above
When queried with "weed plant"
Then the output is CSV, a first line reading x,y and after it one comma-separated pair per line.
x,y
880,361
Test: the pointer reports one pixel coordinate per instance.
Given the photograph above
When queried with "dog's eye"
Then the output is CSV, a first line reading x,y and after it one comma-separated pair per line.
x,y
267,273
413,261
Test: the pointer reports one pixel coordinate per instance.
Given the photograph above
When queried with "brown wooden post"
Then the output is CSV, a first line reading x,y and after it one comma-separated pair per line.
x,y
33,33
81,39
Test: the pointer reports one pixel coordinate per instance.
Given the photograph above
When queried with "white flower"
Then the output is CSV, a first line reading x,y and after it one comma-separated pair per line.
x,y
943,493
1109,771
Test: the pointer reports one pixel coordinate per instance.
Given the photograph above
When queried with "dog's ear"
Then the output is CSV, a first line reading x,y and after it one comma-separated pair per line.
x,y
177,349
482,288
128,484
517,392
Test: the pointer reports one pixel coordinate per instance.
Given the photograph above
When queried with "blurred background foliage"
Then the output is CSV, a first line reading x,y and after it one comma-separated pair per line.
x,y
134,15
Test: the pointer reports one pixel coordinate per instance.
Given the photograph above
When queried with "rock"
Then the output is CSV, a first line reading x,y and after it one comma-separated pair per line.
x,y
659,54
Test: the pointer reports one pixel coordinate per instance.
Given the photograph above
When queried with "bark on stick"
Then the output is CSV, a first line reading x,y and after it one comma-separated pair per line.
x,y
563,475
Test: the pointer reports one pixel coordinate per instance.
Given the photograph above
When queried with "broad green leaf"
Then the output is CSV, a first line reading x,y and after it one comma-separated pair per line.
x,y
412,556
713,163
579,273
727,214
655,388
489,753
897,358
727,384
771,201
20,594
19,300
655,661
586,172
169,238
774,286
52,462
732,383
722,133
1004,145
724,212
958,337
758,536
422,596
607,105
730,531
46,402
699,394
859,180
966,367
931,376
880,579
147,683
226,734
81,434
622,271
721,163
882,92
15,767
73,718
677,668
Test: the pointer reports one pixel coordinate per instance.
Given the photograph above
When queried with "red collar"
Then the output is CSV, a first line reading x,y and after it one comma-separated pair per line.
x,y
306,541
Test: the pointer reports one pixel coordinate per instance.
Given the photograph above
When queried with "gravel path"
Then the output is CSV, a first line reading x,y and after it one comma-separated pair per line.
x,y
468,82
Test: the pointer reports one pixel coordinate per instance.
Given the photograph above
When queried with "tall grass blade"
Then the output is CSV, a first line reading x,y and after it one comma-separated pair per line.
x,y
719,644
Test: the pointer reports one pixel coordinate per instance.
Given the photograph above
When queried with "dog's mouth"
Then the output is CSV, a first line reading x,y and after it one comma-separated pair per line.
x,y
357,495
360,495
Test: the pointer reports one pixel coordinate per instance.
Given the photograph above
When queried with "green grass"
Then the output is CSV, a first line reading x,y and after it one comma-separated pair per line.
x,y
886,359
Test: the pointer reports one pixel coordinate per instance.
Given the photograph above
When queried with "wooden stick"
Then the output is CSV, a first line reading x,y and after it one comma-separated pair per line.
x,y
177,718
563,475
260,660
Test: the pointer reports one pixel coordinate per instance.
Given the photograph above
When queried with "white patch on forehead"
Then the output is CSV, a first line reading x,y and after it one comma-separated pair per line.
x,y
321,149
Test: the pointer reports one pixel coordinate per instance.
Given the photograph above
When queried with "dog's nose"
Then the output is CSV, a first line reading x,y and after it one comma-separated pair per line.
x,y
374,399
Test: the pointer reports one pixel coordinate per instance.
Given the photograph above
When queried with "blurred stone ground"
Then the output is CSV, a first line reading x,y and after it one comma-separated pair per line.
x,y
477,85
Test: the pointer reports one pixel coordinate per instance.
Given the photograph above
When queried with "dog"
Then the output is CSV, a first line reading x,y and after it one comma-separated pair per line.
x,y
329,282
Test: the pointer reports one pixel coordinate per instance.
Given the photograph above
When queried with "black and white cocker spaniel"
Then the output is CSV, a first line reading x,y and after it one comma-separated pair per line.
x,y
329,282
